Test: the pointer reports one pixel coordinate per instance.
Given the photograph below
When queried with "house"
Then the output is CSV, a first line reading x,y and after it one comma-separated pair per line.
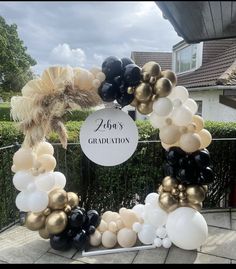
x,y
207,69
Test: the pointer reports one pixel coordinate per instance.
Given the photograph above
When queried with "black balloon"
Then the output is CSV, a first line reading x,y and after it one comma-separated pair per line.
x,y
80,241
125,61
94,218
60,241
207,175
76,218
91,230
124,98
174,154
112,67
132,75
107,92
202,158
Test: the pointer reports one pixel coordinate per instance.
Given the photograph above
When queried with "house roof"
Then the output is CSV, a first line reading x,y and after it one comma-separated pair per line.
x,y
163,58
199,21
218,66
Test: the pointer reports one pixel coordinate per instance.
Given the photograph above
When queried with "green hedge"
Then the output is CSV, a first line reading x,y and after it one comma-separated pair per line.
x,y
5,112
109,188
6,96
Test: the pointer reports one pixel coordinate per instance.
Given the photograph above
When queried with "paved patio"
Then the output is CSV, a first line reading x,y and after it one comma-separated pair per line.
x,y
19,245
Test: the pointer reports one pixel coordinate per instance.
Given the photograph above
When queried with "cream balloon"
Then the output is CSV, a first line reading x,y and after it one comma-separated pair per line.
x,y
102,226
191,105
186,228
129,217
126,238
182,116
199,122
44,148
107,216
190,142
163,106
179,92
169,134
112,227
156,121
95,239
22,179
109,239
205,137
167,146
47,162
24,159
45,181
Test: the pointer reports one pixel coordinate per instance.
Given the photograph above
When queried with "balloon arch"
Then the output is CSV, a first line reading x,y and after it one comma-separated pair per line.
x,y
168,216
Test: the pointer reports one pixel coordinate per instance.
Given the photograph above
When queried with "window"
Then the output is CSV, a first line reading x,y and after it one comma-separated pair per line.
x,y
199,111
187,57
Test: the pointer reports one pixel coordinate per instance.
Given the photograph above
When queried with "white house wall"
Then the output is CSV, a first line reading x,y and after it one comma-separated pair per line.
x,y
211,108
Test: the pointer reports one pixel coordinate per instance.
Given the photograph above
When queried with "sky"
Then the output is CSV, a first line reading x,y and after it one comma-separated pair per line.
x,y
85,33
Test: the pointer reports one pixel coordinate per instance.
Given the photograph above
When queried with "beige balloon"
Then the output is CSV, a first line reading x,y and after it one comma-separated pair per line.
x,y
95,239
129,217
108,216
205,137
119,224
126,238
24,159
56,222
166,146
44,148
169,134
35,221
102,226
199,122
190,142
109,239
47,162
44,233
112,227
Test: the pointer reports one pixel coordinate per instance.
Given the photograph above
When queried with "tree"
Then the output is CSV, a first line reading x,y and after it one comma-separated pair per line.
x,y
15,63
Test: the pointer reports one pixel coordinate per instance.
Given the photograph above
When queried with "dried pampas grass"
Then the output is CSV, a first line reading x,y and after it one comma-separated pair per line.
x,y
45,100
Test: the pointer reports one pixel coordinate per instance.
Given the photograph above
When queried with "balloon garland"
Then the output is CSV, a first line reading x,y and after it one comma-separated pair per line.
x,y
168,215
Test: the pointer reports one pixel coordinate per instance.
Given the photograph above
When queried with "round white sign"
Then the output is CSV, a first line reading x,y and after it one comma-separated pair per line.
x,y
109,137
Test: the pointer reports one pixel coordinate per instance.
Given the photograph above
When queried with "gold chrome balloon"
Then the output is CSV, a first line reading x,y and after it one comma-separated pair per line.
x,y
47,211
35,221
57,199
152,68
169,183
175,192
167,202
182,195
198,207
195,194
134,103
160,189
205,187
145,108
56,222
130,90
73,199
181,187
44,233
170,75
152,80
143,92
67,209
163,87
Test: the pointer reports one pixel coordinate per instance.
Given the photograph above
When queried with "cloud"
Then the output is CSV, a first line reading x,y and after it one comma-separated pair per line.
x,y
85,33
64,54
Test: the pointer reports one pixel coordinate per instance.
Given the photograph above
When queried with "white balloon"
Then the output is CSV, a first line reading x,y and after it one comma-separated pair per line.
x,y
60,180
186,228
177,103
139,209
163,106
179,92
166,242
158,242
191,105
152,199
137,227
156,217
156,121
38,201
22,201
161,232
182,116
22,179
147,234
32,187
45,181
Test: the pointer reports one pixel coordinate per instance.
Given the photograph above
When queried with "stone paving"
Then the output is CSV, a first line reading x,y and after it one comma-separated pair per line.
x,y
19,245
